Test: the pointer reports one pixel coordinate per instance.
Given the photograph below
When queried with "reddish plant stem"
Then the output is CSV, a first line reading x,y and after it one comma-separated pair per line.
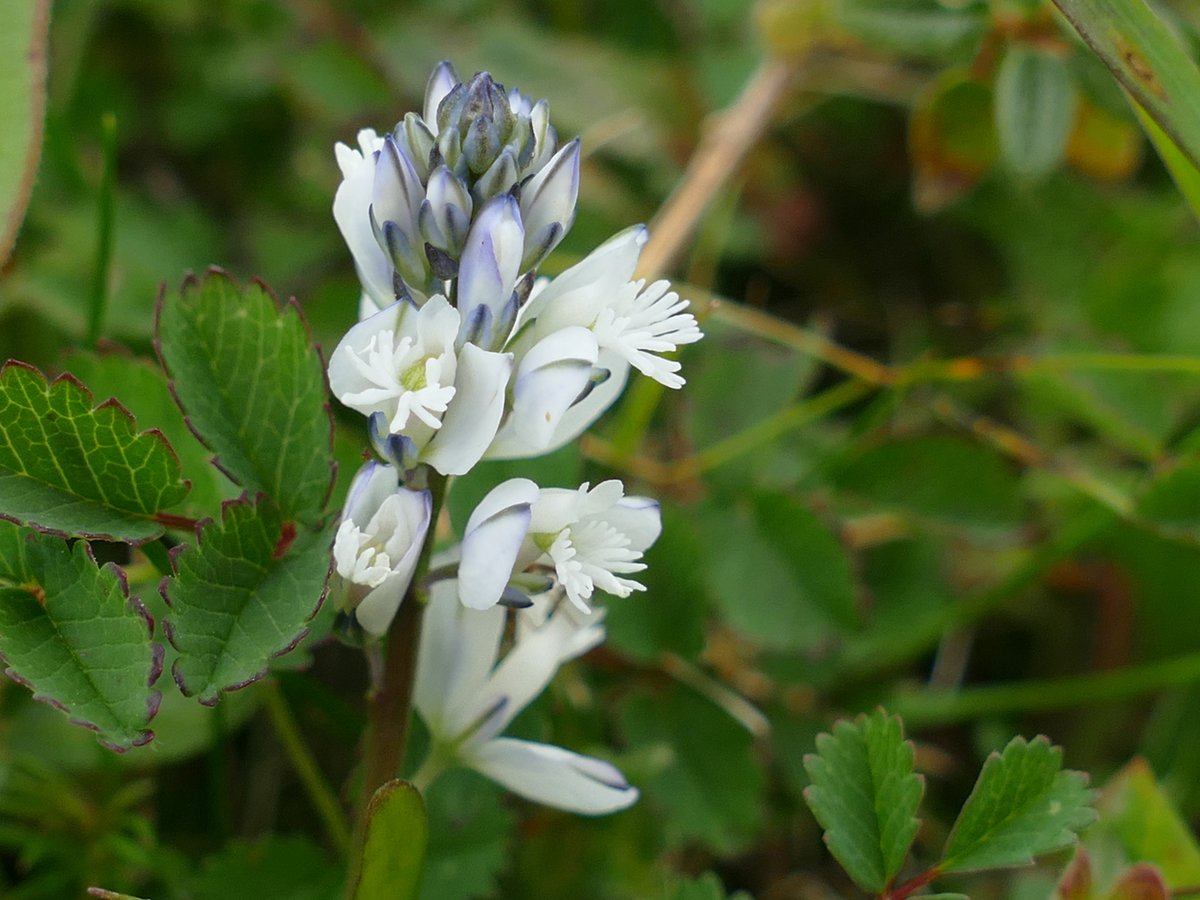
x,y
902,892
180,523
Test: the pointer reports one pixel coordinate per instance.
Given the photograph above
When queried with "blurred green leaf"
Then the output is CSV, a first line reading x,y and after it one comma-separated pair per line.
x,y
1022,806
1182,169
23,27
1145,57
1035,110
940,476
1173,499
397,833
711,790
777,572
70,467
705,887
1136,812
951,137
865,794
70,632
672,615
142,388
469,832
252,385
241,596
272,868
922,28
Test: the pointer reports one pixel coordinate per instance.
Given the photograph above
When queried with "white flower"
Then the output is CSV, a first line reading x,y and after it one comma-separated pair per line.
x,y
631,324
378,543
401,367
589,538
467,696
636,322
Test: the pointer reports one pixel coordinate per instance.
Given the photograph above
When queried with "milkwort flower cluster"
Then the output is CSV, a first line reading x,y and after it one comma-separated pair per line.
x,y
462,353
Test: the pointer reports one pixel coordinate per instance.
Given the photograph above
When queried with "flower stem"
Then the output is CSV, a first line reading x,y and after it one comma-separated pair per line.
x,y
322,797
390,701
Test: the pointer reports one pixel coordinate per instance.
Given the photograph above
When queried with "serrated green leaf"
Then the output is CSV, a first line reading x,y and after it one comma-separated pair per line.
x,y
1035,109
142,388
252,386
23,28
939,476
865,794
1022,806
242,595
69,467
394,851
69,631
1147,60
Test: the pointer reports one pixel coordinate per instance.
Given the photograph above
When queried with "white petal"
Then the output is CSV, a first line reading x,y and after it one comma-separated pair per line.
x,y
489,553
639,519
528,667
551,377
554,776
344,377
352,212
372,484
440,83
501,498
593,278
378,608
458,650
474,415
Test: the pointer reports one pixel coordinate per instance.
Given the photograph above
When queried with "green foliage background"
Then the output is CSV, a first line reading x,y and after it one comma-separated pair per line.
x,y
940,449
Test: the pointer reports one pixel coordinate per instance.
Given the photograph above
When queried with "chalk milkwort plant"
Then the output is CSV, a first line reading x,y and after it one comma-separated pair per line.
x,y
461,353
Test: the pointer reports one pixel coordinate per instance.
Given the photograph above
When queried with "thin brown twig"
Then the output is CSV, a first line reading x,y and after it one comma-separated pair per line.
x,y
720,153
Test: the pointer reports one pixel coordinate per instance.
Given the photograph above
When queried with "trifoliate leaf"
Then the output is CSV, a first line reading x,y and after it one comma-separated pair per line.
x,y
394,851
1022,806
865,794
72,635
252,386
71,468
242,595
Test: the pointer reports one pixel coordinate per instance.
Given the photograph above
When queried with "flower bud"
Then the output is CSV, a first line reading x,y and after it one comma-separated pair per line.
x,y
491,258
445,214
548,204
